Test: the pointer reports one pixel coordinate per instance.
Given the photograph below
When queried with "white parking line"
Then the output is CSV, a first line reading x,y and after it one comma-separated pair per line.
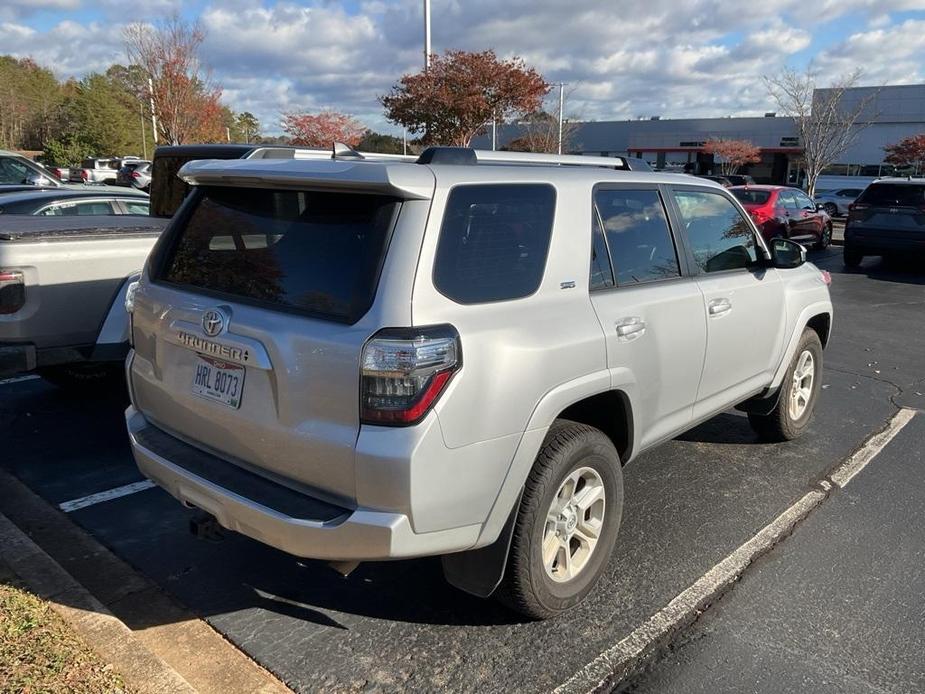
x,y
617,661
846,472
17,379
109,494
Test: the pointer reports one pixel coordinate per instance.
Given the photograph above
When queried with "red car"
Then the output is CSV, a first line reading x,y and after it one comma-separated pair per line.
x,y
780,211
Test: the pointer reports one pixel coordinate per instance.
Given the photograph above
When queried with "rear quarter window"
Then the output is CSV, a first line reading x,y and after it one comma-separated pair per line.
x,y
317,253
493,241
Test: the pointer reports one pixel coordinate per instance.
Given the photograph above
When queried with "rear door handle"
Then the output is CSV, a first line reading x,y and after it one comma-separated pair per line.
x,y
630,328
719,307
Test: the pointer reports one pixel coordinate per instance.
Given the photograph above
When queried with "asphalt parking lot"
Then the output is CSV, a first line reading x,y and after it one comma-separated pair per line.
x,y
391,626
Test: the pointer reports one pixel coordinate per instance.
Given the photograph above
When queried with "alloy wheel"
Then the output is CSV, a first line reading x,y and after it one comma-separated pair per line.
x,y
573,524
801,390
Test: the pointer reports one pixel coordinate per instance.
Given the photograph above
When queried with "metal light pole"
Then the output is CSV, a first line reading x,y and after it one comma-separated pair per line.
x,y
561,105
404,141
494,133
426,34
153,117
144,140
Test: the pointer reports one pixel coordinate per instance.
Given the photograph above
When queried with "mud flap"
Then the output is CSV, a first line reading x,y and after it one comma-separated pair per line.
x,y
761,404
479,571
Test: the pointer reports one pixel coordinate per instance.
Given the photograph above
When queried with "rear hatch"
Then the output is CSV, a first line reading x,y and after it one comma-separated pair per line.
x,y
894,211
249,328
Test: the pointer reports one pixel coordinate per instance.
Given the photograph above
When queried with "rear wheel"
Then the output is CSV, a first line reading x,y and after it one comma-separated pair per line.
x,y
852,257
799,392
830,209
567,522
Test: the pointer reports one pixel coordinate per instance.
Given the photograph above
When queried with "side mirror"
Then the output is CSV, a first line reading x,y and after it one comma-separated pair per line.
x,y
820,206
37,180
787,254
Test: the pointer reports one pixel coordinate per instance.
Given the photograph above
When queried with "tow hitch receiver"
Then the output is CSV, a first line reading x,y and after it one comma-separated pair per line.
x,y
205,527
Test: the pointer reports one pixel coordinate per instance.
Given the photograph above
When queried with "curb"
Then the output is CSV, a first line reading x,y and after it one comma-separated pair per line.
x,y
205,660
86,615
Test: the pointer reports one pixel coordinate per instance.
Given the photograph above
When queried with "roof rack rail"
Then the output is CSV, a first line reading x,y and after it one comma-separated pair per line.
x,y
469,156
338,151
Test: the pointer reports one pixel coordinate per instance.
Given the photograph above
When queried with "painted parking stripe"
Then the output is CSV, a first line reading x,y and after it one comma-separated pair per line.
x,y
607,669
18,379
108,495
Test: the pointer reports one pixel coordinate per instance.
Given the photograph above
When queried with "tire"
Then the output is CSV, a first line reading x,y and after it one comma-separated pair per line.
x,y
84,377
852,257
825,239
785,423
830,209
570,450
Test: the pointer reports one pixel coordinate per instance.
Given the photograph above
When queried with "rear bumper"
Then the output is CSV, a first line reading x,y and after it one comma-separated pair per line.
x,y
16,359
276,515
886,241
20,358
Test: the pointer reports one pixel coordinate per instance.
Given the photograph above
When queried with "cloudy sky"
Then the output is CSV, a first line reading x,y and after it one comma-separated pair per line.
x,y
621,59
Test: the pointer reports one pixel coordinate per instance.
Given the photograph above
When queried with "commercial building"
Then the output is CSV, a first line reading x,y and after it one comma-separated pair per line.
x,y
676,144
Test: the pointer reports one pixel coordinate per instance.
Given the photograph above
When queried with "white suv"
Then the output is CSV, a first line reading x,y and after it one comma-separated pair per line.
x,y
360,359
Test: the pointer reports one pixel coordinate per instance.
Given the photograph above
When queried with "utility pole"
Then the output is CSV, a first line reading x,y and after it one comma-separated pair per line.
x,y
561,105
404,141
153,117
494,133
426,34
144,140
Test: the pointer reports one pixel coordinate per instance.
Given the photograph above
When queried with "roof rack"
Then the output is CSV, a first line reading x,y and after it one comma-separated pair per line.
x,y
338,151
470,156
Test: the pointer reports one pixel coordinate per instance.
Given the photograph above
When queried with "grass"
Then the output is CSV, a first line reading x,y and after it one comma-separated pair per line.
x,y
40,653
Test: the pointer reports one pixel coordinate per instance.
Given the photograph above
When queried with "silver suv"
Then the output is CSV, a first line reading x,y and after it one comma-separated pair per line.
x,y
377,359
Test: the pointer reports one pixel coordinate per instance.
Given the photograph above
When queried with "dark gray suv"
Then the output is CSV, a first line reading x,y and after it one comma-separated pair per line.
x,y
887,218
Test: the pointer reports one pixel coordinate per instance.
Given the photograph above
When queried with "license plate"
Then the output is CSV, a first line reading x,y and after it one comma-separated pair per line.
x,y
218,380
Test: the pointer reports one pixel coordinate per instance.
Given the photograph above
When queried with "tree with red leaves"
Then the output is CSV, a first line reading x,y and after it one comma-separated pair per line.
x,y
734,153
908,152
186,101
461,93
323,129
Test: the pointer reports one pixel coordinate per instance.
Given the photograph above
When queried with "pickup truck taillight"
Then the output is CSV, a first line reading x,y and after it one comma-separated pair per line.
x,y
84,174
403,371
12,291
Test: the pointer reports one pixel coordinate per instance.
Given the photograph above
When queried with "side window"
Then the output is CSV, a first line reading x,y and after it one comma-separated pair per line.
x,y
636,226
132,207
719,236
788,200
12,171
493,241
601,271
98,207
804,202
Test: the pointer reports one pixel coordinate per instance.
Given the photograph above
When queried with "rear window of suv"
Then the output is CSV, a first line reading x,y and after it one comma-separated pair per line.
x,y
493,241
893,195
317,253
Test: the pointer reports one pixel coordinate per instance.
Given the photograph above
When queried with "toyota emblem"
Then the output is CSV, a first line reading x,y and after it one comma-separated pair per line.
x,y
212,323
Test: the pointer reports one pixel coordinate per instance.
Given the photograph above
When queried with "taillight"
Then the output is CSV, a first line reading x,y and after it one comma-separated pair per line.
x,y
403,371
857,206
12,291
762,214
84,174
130,292
135,174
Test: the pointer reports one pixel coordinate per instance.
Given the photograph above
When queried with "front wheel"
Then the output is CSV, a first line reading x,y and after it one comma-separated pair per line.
x,y
798,394
567,522
825,238
830,209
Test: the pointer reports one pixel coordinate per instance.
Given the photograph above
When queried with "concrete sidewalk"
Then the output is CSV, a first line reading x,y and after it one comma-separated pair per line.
x,y
837,608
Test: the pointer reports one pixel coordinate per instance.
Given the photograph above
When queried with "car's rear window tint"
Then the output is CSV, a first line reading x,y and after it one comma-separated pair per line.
x,y
893,195
318,253
751,197
493,241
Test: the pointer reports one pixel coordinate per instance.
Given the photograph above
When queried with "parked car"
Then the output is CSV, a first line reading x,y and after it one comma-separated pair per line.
x,y
66,320
367,360
722,180
783,212
16,169
888,218
98,170
60,172
739,179
836,202
61,202
135,174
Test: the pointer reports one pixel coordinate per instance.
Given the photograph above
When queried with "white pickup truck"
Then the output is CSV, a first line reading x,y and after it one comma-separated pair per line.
x,y
62,294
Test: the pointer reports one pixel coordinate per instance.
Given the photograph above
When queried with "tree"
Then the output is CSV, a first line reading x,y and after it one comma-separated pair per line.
x,y
29,100
247,127
384,144
540,133
827,123
909,152
186,101
323,129
460,93
734,153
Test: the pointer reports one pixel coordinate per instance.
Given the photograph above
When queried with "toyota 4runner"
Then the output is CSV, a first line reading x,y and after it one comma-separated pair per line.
x,y
364,360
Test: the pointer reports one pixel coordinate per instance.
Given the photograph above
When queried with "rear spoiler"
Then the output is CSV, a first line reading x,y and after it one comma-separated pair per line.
x,y
383,177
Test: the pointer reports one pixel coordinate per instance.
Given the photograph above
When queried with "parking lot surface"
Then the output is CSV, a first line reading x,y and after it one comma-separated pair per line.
x,y
391,626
